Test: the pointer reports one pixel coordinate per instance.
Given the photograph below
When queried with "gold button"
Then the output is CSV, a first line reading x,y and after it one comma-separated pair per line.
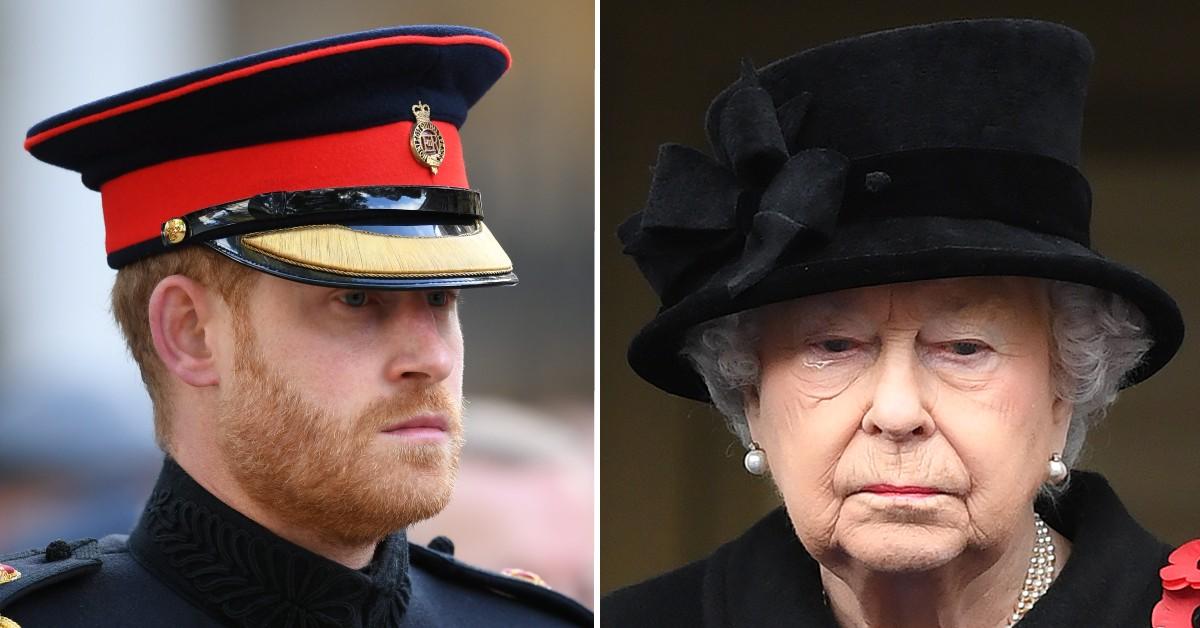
x,y
174,231
527,576
8,574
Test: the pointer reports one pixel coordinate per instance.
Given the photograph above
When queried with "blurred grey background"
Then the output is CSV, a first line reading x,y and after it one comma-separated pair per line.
x,y
76,450
673,487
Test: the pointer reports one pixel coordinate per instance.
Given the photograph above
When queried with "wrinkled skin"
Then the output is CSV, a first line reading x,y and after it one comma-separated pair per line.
x,y
945,385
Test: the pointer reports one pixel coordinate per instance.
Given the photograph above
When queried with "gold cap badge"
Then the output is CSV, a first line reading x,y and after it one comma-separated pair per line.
x,y
426,141
8,623
8,574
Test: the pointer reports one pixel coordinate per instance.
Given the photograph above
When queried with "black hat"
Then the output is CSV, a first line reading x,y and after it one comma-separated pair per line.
x,y
935,151
334,162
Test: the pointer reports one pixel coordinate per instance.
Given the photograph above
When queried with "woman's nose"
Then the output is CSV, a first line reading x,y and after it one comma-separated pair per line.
x,y
899,408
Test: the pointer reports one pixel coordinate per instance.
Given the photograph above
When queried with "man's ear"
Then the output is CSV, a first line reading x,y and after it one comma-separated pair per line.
x,y
180,314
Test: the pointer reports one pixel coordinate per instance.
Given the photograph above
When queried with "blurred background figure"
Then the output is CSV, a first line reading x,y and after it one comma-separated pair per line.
x,y
523,498
76,440
71,465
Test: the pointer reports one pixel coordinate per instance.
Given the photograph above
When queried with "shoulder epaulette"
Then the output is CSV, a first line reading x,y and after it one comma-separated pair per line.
x,y
516,587
34,569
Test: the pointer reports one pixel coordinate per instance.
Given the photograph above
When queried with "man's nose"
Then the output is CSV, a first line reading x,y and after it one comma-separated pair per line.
x,y
899,407
422,345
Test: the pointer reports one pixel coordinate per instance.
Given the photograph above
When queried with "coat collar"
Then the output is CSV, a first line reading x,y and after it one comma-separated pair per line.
x,y
243,575
766,578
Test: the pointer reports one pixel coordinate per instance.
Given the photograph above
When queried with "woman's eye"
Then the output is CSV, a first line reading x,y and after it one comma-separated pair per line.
x,y
437,298
836,345
357,298
965,347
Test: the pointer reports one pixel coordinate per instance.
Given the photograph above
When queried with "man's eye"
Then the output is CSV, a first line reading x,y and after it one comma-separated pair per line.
x,y
437,298
354,299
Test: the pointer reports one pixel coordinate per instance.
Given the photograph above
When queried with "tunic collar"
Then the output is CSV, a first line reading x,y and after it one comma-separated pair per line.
x,y
244,575
766,578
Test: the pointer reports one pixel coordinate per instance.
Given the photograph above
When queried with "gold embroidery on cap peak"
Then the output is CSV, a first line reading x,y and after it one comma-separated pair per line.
x,y
426,141
341,250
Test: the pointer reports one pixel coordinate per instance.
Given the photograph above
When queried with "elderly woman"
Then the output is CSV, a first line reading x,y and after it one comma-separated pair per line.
x,y
883,280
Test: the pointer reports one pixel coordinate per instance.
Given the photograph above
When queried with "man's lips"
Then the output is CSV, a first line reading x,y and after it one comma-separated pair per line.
x,y
891,489
420,426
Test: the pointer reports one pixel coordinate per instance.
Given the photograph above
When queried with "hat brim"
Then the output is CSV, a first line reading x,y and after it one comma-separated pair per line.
x,y
398,257
897,251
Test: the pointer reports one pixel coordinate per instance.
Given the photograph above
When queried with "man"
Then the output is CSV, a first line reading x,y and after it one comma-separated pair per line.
x,y
292,230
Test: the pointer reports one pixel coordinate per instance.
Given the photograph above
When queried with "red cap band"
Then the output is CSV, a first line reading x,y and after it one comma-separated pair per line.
x,y
136,204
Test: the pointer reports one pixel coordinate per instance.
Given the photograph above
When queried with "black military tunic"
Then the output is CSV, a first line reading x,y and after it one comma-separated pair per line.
x,y
193,561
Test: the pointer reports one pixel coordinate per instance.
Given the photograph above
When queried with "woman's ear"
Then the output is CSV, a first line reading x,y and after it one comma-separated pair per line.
x,y
179,317
750,403
1061,412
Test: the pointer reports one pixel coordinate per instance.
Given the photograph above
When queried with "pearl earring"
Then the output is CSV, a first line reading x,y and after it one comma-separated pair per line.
x,y
755,460
1058,469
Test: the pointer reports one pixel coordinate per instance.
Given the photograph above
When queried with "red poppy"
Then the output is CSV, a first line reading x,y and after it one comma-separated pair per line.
x,y
1181,588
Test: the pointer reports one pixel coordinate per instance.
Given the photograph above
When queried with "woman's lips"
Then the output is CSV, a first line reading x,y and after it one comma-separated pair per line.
x,y
892,490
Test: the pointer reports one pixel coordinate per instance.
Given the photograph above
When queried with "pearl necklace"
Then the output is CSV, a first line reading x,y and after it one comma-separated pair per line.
x,y
1040,572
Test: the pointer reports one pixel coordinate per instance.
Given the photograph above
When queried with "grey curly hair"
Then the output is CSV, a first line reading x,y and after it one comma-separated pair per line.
x,y
1097,337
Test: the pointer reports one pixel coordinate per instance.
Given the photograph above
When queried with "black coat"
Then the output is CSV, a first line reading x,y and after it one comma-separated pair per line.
x,y
194,562
766,578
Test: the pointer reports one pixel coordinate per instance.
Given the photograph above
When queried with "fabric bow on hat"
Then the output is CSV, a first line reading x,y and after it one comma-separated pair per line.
x,y
735,216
